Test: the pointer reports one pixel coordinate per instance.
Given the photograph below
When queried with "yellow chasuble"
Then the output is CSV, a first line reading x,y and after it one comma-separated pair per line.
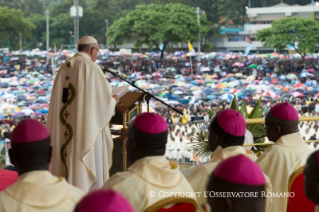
x,y
39,191
150,174
199,177
280,160
81,108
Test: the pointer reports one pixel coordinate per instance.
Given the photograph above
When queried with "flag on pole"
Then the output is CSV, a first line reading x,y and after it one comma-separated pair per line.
x,y
190,48
248,40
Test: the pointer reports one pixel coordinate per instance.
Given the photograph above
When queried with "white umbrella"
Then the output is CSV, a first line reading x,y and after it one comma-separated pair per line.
x,y
204,69
172,102
178,92
27,111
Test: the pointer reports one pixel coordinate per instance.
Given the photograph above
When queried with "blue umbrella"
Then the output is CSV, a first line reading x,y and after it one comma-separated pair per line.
x,y
104,58
282,77
226,96
208,91
224,80
175,97
185,101
212,97
43,111
241,95
166,95
193,82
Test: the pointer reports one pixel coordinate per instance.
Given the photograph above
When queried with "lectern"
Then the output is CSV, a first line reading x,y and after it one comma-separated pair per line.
x,y
125,111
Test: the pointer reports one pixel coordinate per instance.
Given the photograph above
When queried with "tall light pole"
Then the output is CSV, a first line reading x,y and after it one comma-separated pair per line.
x,y
107,26
76,12
47,13
198,20
71,40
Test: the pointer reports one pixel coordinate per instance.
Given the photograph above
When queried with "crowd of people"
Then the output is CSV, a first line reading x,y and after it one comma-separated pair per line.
x,y
151,175
63,159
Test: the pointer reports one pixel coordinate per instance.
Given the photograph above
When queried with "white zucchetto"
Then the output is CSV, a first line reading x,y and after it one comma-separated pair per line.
x,y
87,40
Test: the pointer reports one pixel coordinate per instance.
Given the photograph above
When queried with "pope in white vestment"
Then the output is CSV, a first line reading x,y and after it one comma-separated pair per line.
x,y
79,126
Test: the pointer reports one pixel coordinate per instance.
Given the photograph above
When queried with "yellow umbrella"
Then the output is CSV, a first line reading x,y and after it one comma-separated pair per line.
x,y
251,78
195,88
31,98
10,109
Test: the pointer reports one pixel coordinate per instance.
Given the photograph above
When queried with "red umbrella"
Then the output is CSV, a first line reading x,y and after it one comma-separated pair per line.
x,y
44,105
6,121
299,85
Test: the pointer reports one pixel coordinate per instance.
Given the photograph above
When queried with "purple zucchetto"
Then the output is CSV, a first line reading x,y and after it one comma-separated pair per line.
x,y
232,122
150,123
29,130
285,111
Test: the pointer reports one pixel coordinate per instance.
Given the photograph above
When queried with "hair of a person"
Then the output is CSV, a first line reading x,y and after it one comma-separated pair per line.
x,y
31,154
227,138
149,141
85,47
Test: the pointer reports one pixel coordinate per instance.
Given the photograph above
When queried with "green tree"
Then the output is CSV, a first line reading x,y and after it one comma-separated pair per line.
x,y
154,25
12,24
32,7
60,30
38,33
300,33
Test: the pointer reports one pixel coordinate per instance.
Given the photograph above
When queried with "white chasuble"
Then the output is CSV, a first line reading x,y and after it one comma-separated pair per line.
x,y
81,108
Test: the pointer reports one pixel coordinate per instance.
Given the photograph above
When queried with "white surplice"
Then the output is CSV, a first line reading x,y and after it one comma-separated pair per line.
x,y
80,134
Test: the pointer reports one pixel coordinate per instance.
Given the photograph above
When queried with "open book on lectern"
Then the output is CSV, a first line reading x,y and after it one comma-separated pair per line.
x,y
120,91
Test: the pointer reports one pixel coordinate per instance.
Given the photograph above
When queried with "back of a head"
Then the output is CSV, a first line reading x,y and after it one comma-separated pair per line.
x,y
30,146
284,116
243,183
147,136
104,201
311,172
230,126
85,43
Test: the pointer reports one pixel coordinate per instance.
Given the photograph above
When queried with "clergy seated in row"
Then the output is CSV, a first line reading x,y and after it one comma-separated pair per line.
x,y
311,172
226,138
103,201
289,152
241,176
36,188
149,169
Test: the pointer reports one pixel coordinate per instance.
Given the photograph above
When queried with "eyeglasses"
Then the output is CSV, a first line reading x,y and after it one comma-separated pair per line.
x,y
98,52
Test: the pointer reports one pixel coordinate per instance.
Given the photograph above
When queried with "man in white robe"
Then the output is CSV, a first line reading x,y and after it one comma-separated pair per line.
x,y
81,108
36,189
225,141
149,171
289,153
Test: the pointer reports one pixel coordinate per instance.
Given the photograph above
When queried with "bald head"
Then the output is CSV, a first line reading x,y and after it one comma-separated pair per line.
x,y
311,172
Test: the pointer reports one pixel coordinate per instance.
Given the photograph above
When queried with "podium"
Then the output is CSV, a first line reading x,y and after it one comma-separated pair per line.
x,y
125,111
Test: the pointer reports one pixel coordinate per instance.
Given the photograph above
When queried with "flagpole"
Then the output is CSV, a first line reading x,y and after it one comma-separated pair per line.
x,y
191,65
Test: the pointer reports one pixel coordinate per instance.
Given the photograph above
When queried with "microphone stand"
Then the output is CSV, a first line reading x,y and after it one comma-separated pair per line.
x,y
148,95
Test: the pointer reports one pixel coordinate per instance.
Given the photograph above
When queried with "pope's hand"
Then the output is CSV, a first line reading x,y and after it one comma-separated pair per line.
x,y
117,99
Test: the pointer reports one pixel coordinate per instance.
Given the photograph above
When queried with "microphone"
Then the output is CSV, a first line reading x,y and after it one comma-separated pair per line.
x,y
106,69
